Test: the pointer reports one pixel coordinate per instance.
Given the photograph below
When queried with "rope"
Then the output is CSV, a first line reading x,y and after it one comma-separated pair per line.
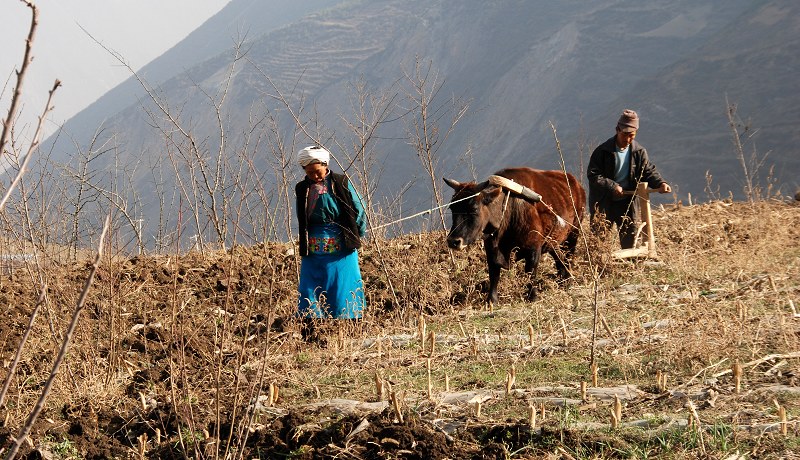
x,y
503,215
427,211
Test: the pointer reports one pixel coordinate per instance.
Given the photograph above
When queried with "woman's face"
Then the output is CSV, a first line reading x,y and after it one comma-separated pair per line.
x,y
316,171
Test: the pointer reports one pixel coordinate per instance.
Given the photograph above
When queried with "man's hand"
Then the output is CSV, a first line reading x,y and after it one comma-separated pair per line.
x,y
664,188
618,193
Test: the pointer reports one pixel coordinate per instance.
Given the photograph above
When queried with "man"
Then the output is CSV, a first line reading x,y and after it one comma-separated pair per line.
x,y
615,167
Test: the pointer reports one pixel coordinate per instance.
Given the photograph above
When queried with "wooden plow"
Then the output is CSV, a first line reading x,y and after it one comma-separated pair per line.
x,y
644,228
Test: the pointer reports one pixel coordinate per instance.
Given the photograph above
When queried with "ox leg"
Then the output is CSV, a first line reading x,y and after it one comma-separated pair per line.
x,y
494,279
568,250
494,261
532,267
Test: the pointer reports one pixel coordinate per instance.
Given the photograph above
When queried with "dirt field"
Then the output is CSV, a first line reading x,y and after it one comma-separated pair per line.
x,y
198,356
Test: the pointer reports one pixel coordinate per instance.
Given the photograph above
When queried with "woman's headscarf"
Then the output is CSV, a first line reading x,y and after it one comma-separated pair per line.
x,y
313,154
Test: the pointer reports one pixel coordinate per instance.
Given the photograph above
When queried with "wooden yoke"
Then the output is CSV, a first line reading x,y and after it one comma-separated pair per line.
x,y
526,193
642,194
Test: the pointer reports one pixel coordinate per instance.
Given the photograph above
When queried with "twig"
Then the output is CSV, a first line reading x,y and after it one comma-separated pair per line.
x,y
595,275
700,372
21,346
794,354
698,425
608,330
26,60
23,433
32,147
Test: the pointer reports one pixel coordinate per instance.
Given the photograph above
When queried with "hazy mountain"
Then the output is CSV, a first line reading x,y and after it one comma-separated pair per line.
x,y
240,19
519,64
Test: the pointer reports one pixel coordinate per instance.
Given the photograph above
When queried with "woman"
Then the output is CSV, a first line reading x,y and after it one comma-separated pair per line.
x,y
331,223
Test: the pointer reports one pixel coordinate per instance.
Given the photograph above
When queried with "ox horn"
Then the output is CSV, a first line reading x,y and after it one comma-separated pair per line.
x,y
457,185
452,183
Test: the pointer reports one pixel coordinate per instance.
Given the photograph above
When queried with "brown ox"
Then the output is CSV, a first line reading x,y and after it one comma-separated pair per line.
x,y
507,222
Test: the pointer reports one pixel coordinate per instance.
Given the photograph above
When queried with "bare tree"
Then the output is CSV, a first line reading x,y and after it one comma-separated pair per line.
x,y
430,122
750,165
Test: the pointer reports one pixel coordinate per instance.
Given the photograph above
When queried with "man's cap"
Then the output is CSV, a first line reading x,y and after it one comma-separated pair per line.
x,y
628,121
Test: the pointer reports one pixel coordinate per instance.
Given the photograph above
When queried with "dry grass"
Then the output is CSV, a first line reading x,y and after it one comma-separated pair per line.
x,y
173,352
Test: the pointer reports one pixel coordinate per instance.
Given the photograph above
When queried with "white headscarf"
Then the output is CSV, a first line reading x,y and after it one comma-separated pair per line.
x,y
313,154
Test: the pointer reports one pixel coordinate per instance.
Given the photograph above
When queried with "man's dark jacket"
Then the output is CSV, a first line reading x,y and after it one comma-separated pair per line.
x,y
601,174
347,212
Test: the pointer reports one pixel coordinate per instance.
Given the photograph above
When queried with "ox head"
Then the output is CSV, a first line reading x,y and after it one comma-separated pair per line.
x,y
476,210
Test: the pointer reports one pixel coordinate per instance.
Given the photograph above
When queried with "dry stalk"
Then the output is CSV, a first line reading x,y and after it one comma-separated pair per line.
x,y
592,269
530,335
379,386
421,331
564,334
432,340
784,420
532,416
661,381
794,310
13,366
563,452
737,376
397,405
447,382
430,382
608,330
697,425
478,405
273,394
584,396
755,362
142,440
685,384
511,378
617,408
594,374
613,419
741,310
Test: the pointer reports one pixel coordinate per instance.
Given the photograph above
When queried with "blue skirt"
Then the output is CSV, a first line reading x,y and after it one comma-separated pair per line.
x,y
331,286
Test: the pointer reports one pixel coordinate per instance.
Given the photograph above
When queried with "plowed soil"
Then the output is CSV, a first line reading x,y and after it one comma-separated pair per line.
x,y
198,355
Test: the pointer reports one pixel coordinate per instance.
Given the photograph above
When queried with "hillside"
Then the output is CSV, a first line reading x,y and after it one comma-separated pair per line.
x,y
358,76
197,355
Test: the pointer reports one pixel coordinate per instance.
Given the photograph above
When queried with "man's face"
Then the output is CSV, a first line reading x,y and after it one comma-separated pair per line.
x,y
625,139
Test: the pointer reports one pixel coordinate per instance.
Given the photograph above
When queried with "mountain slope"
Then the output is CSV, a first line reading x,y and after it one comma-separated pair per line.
x,y
752,63
519,65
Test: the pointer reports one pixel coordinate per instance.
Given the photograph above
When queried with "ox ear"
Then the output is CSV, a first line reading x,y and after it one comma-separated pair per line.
x,y
452,183
490,193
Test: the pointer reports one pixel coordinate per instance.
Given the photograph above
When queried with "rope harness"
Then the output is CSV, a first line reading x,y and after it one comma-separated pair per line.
x,y
524,191
427,211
